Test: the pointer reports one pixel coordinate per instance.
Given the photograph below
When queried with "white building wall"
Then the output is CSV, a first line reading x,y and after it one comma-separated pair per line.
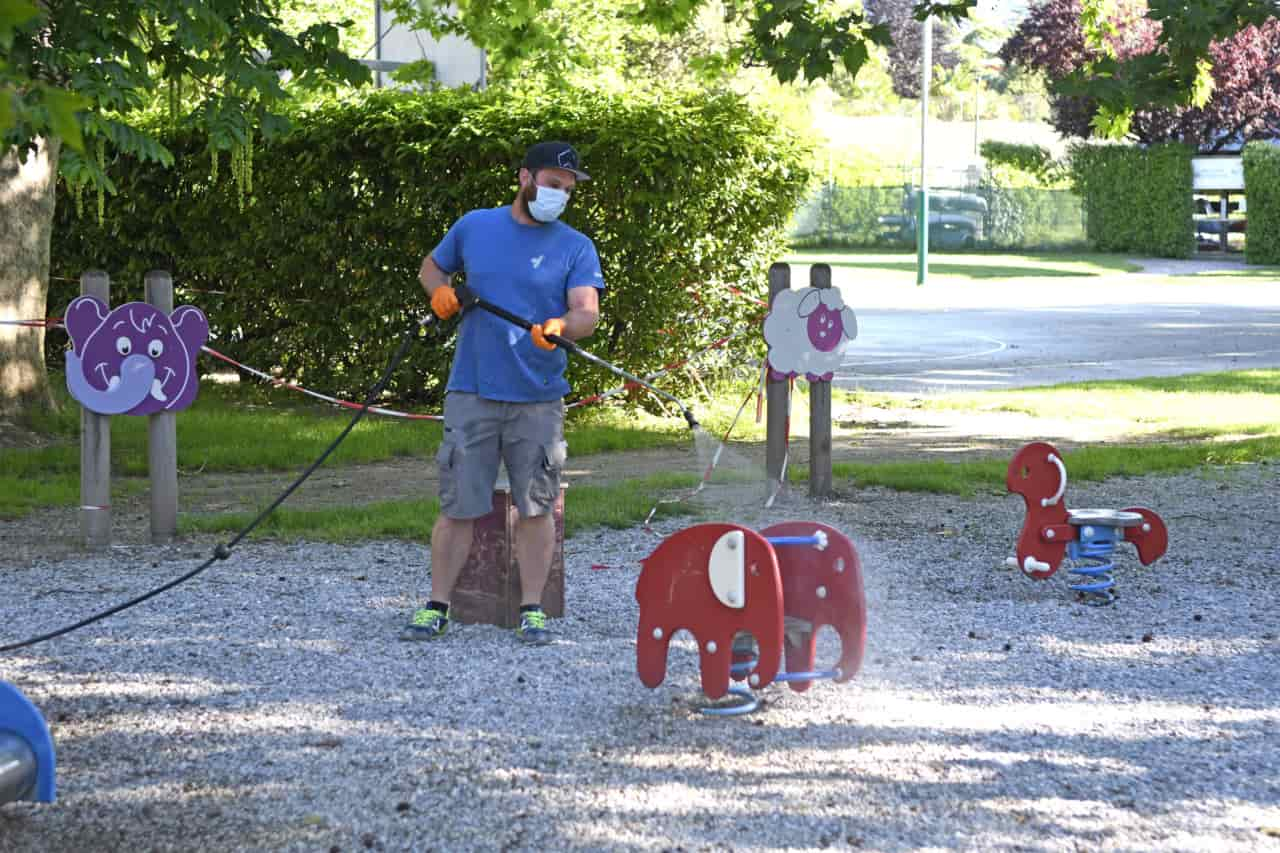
x,y
458,62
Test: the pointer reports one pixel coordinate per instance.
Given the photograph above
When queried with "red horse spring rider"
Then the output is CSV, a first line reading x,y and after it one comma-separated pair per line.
x,y
1051,531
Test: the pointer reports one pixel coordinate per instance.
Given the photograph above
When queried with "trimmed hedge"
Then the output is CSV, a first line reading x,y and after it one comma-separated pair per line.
x,y
1262,189
845,217
1136,199
317,276
1032,161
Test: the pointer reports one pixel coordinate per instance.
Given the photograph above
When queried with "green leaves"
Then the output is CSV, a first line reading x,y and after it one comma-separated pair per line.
x,y
1262,181
13,13
793,38
21,97
1034,160
1136,199
690,194
94,69
61,107
1176,72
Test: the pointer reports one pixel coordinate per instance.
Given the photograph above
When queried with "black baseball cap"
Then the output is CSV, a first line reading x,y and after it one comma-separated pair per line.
x,y
554,155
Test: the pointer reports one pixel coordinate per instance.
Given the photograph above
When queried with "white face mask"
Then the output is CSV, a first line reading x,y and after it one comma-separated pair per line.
x,y
549,204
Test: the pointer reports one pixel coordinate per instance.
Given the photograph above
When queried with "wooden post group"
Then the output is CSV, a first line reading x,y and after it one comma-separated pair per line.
x,y
95,441
778,391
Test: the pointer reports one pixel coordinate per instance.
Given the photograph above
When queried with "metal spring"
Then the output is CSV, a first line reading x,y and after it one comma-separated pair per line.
x,y
1095,547
741,668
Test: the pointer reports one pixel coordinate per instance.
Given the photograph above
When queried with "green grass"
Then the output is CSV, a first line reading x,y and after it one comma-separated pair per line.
x,y
975,265
1201,419
250,429
224,431
1178,423
1204,405
1091,464
621,505
1270,273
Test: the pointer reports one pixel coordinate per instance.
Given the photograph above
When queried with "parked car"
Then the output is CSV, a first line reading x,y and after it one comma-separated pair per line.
x,y
946,230
1209,232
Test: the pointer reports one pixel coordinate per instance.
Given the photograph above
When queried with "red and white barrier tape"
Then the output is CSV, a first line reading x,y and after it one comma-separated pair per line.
x,y
56,322
293,386
50,323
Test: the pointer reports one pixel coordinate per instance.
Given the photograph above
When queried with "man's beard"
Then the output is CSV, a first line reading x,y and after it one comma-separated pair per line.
x,y
527,194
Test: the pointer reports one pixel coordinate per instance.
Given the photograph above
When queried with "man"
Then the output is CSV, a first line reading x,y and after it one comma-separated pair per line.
x,y
505,394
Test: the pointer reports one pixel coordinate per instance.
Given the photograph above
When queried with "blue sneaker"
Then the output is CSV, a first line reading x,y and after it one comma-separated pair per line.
x,y
533,628
427,624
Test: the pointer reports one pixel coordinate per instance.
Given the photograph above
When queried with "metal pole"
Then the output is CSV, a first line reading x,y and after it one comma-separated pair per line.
x,y
95,446
922,216
377,41
162,435
977,109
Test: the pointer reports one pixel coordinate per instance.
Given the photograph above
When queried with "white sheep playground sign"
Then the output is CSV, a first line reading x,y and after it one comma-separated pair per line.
x,y
807,331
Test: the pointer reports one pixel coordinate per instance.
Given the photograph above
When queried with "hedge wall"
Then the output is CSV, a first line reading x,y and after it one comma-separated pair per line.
x,y
1136,199
317,276
1018,164
1262,188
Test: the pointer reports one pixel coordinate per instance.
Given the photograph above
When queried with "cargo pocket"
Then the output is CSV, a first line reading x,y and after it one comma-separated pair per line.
x,y
448,475
545,485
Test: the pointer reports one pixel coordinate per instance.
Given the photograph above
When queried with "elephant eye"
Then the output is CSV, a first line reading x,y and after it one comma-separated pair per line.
x,y
155,348
123,345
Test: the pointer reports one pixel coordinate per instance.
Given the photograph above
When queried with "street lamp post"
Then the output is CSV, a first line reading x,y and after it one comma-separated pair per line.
x,y
922,215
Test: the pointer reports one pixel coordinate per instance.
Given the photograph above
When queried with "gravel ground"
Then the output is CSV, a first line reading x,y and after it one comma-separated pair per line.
x,y
268,706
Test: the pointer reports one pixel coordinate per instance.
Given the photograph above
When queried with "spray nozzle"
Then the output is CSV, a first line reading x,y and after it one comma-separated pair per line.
x,y
693,422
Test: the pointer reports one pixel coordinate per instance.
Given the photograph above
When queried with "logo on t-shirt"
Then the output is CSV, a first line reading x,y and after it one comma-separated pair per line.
x,y
537,262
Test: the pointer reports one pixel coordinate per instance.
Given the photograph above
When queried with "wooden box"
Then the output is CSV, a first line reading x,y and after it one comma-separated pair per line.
x,y
488,590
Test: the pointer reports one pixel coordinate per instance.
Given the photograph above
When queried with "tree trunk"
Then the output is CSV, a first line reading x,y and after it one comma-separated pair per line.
x,y
26,224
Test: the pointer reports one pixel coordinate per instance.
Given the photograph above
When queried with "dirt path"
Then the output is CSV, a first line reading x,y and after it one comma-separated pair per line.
x,y
862,434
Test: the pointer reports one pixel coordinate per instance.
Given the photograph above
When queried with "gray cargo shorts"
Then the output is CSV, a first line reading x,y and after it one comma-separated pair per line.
x,y
527,437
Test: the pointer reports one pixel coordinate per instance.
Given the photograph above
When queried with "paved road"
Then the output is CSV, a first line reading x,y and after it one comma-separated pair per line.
x,y
977,335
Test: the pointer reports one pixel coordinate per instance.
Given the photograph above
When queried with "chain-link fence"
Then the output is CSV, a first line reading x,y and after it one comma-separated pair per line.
x,y
985,216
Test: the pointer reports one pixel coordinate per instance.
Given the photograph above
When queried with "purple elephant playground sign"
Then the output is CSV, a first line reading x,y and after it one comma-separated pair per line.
x,y
133,359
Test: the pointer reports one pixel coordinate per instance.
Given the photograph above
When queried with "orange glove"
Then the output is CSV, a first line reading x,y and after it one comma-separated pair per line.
x,y
444,302
554,326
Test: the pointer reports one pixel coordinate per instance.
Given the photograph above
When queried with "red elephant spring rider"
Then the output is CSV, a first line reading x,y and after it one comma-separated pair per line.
x,y
1051,531
780,585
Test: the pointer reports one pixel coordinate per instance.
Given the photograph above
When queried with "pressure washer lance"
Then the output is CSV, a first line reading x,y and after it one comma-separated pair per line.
x,y
469,300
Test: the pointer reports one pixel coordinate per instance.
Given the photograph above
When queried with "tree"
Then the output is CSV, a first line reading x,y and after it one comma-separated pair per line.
x,y
792,38
905,52
217,64
1176,72
1244,68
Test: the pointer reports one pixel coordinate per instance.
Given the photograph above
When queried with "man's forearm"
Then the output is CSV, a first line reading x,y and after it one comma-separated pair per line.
x,y
580,323
432,276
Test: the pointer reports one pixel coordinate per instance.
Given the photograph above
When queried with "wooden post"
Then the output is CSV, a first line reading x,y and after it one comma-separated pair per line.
x,y
776,391
820,412
162,434
95,446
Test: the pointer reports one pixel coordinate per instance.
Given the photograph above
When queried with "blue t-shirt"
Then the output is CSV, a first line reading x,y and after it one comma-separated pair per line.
x,y
528,270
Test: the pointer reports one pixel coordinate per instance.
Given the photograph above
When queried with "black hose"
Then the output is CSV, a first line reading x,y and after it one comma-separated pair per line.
x,y
223,551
